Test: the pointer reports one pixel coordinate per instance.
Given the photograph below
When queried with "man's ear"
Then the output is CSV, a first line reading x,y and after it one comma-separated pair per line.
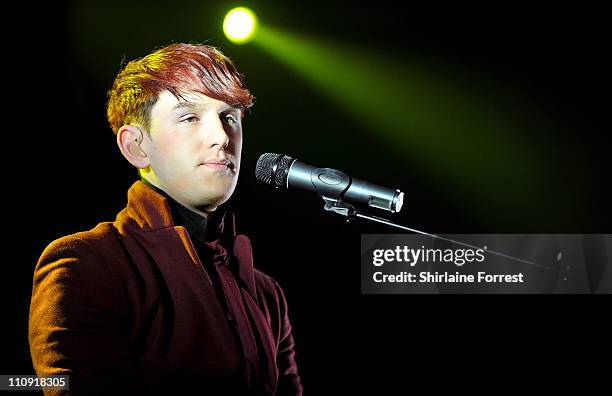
x,y
129,139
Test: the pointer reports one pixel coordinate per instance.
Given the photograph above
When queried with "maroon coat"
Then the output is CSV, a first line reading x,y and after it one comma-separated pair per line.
x,y
128,305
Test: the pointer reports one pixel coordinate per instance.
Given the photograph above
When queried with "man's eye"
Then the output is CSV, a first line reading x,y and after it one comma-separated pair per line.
x,y
189,119
230,119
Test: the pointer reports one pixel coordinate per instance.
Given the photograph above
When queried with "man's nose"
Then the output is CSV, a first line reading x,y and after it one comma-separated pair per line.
x,y
216,134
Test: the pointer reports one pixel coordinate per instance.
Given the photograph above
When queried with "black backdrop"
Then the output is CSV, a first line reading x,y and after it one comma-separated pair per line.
x,y
62,173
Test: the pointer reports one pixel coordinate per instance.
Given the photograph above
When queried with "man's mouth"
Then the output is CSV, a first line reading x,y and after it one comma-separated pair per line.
x,y
219,164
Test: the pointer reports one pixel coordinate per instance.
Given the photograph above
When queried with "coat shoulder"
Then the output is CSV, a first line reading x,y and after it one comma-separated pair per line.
x,y
97,238
82,253
266,283
270,292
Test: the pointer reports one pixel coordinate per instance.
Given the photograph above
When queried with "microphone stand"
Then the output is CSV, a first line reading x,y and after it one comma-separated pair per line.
x,y
350,212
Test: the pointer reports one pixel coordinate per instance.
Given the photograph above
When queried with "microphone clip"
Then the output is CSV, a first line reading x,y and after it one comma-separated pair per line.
x,y
339,207
350,212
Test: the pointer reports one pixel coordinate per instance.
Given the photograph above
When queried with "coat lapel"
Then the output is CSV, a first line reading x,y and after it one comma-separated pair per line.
x,y
148,221
244,255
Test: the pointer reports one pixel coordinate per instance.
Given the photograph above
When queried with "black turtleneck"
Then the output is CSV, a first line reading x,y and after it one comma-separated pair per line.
x,y
198,226
206,235
203,232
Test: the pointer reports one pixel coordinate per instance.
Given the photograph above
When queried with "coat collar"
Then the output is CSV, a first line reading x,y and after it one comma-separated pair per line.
x,y
148,211
151,211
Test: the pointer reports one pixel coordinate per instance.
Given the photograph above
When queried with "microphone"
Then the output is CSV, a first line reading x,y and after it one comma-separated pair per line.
x,y
283,171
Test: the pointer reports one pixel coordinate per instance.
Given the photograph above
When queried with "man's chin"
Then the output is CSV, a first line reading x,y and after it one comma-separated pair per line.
x,y
210,204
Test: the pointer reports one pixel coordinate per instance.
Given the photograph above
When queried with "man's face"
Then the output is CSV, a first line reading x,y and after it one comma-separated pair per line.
x,y
190,142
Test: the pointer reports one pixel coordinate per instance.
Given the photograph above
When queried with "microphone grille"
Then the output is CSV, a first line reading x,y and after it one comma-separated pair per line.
x,y
273,169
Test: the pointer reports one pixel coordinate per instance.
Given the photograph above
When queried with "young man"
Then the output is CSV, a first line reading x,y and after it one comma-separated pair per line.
x,y
166,298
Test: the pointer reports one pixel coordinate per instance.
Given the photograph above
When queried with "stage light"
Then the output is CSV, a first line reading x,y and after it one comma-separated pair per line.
x,y
240,25
415,107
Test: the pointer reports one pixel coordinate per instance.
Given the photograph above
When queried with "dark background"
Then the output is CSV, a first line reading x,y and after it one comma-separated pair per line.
x,y
63,172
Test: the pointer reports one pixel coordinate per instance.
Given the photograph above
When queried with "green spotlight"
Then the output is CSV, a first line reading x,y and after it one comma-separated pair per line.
x,y
240,25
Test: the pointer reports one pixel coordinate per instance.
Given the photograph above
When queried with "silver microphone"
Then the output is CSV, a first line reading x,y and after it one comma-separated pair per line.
x,y
283,171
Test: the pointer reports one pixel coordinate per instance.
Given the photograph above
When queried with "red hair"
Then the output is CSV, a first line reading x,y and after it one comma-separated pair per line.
x,y
178,68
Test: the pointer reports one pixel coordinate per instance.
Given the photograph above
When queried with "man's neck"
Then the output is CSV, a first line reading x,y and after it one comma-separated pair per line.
x,y
199,212
204,212
201,224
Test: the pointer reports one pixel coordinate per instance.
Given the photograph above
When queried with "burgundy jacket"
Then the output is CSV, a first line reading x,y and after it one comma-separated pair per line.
x,y
127,307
